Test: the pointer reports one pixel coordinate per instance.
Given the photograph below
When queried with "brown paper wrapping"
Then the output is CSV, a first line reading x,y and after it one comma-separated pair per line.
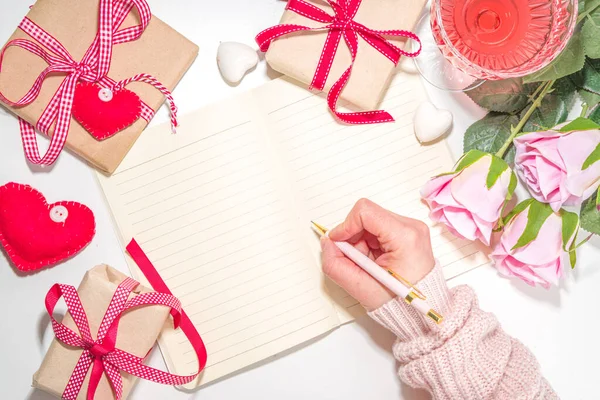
x,y
160,51
297,55
138,331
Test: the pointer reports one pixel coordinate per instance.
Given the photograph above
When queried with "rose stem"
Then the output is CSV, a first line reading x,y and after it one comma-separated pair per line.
x,y
537,91
589,8
515,130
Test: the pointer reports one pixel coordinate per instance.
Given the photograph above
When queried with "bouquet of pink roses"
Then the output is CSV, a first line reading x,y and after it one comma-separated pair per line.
x,y
558,161
537,233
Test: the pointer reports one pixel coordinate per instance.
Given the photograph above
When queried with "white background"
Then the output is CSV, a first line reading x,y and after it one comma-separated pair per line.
x,y
560,325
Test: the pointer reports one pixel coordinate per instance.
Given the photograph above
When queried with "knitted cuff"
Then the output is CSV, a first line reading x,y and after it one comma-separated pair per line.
x,y
404,320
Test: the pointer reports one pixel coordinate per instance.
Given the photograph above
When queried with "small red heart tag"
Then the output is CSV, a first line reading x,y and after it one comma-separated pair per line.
x,y
103,112
36,234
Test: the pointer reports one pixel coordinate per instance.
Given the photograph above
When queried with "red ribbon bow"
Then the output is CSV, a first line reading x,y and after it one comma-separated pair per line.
x,y
93,67
101,352
340,24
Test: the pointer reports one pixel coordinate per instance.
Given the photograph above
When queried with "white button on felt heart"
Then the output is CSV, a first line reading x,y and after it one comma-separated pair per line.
x,y
59,214
431,123
105,94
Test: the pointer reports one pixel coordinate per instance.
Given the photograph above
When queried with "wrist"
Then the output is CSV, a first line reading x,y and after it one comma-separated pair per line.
x,y
404,320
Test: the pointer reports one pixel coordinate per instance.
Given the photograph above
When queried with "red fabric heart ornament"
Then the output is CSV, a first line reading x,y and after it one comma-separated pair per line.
x,y
36,234
104,112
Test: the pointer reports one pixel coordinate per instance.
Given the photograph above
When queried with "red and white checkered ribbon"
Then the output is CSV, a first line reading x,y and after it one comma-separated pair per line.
x,y
339,25
101,353
93,67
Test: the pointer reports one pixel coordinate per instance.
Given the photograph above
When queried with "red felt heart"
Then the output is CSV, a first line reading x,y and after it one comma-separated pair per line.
x,y
105,117
36,234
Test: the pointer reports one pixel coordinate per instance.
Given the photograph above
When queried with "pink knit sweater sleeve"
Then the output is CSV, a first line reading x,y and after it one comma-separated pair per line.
x,y
468,356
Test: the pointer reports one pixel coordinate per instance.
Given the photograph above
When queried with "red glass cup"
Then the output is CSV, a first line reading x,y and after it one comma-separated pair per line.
x,y
498,39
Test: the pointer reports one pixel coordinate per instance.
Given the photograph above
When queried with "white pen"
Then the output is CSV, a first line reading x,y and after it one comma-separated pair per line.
x,y
386,277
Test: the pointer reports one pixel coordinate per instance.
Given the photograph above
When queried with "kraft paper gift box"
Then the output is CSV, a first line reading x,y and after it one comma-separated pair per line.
x,y
297,55
160,51
138,330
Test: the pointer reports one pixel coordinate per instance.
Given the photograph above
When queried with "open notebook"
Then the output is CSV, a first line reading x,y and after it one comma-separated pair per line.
x,y
222,209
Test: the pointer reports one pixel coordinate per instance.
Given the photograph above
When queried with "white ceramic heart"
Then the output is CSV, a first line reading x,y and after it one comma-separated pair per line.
x,y
235,59
430,122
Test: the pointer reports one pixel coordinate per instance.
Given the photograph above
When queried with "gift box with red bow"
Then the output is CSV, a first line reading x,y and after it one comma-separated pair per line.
x,y
90,74
111,325
349,48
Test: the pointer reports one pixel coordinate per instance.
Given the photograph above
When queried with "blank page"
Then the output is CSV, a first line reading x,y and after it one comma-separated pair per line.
x,y
209,208
222,209
331,166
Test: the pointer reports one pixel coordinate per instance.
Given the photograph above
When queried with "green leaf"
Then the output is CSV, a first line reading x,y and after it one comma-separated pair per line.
x,y
590,216
511,186
536,216
595,156
573,252
564,87
468,158
579,124
443,174
591,30
517,210
553,110
510,154
573,258
590,34
590,98
489,133
497,167
570,224
588,5
589,76
595,115
570,60
507,95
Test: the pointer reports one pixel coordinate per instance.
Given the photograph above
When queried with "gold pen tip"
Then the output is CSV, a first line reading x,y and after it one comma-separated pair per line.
x,y
319,228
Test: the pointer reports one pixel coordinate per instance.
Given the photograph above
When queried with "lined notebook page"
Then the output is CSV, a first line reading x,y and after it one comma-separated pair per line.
x,y
223,208
331,166
208,208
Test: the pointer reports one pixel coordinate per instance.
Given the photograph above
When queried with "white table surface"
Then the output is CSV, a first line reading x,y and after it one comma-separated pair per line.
x,y
559,325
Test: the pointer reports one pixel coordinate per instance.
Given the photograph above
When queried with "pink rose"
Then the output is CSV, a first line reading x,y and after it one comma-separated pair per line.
x,y
535,257
470,199
551,164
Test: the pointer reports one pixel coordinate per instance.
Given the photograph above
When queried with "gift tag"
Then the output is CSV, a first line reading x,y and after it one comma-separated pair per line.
x,y
36,234
104,112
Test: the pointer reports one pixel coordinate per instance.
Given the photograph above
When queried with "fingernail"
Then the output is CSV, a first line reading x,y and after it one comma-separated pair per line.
x,y
322,241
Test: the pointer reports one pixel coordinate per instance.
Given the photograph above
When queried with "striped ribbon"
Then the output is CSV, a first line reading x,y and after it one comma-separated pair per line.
x,y
93,67
101,354
339,25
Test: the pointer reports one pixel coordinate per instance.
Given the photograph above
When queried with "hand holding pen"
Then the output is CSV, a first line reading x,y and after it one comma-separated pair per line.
x,y
396,243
